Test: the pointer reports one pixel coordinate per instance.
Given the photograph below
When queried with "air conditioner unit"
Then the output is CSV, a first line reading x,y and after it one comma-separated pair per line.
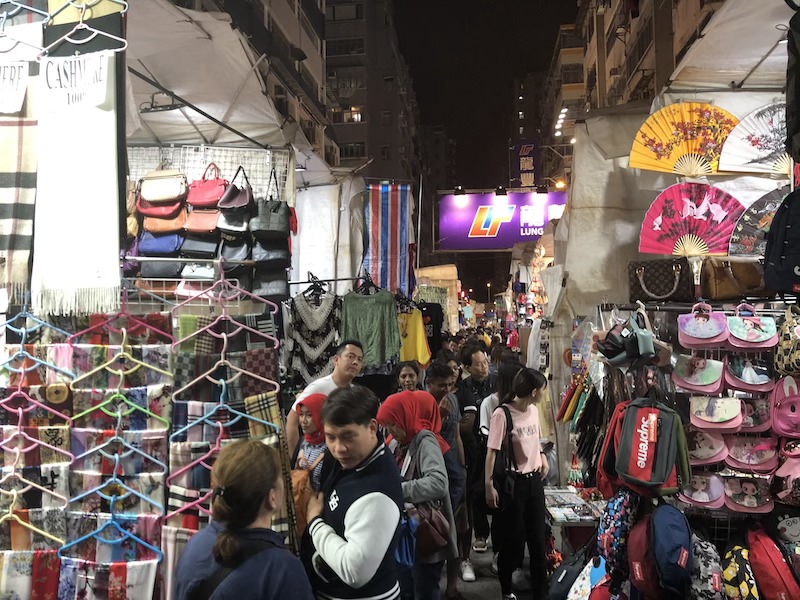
x,y
614,71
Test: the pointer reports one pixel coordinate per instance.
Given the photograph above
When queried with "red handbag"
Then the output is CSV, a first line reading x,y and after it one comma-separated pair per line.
x,y
160,211
205,192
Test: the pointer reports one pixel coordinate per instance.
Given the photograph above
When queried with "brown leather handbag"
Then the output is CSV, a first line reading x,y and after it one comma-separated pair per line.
x,y
665,279
202,221
157,225
732,278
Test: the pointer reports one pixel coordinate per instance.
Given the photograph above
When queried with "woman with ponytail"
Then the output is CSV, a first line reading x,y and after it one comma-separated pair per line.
x,y
523,521
238,554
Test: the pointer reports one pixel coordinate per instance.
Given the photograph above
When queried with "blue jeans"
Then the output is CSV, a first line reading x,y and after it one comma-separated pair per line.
x,y
421,582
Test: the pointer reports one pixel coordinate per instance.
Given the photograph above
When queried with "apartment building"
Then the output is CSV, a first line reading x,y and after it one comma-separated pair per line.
x,y
373,109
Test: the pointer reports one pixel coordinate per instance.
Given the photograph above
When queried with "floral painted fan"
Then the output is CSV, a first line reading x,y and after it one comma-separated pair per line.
x,y
683,138
749,235
690,219
756,144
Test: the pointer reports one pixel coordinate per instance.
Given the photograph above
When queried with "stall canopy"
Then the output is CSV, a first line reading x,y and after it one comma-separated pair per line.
x,y
198,57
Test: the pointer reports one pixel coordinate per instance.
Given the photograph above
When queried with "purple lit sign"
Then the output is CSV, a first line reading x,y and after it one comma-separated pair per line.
x,y
486,221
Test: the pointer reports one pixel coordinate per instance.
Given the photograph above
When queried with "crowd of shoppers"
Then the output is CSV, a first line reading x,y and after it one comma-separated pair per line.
x,y
429,447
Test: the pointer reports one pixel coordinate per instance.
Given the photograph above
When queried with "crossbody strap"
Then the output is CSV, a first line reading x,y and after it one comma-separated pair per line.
x,y
206,589
511,460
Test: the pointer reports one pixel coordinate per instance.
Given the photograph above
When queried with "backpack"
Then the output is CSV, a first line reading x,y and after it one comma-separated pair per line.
x,y
782,253
643,574
672,549
737,576
776,581
706,571
568,572
615,526
785,401
787,352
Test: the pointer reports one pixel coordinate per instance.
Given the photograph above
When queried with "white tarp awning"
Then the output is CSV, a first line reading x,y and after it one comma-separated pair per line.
x,y
740,44
199,57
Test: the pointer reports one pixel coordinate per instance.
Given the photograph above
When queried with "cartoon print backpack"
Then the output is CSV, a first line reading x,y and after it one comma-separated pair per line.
x,y
706,571
772,572
786,408
616,523
788,474
737,576
786,526
787,352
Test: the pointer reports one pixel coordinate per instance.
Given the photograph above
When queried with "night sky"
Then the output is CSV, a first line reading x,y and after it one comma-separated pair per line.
x,y
464,56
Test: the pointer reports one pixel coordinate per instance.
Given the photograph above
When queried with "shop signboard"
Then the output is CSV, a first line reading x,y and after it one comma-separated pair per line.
x,y
488,221
520,164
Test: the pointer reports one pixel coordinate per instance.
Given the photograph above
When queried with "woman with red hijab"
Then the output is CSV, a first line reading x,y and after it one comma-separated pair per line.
x,y
413,420
312,448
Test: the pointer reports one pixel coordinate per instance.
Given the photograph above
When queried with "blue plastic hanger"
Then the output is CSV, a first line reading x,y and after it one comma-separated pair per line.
x,y
113,524
118,395
27,316
116,481
221,405
22,353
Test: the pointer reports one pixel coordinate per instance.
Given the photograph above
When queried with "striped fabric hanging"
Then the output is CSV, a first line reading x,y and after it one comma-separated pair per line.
x,y
387,226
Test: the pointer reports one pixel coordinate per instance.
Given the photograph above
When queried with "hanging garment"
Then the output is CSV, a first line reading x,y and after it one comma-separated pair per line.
x,y
793,89
413,341
173,542
433,320
44,575
107,581
372,320
314,335
387,223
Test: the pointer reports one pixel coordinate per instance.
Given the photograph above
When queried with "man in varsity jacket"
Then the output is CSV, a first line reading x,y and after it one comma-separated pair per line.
x,y
353,521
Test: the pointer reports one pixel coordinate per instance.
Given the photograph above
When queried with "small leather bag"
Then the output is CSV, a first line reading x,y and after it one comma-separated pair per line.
x,y
732,278
202,221
163,210
232,223
163,186
666,279
200,246
158,225
704,490
151,244
238,199
273,254
717,414
702,328
272,220
161,269
207,191
271,284
235,250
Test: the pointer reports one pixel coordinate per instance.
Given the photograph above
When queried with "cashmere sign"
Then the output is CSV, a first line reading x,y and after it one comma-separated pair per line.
x,y
13,83
76,80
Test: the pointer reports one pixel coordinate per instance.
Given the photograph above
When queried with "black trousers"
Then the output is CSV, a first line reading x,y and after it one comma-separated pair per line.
x,y
523,522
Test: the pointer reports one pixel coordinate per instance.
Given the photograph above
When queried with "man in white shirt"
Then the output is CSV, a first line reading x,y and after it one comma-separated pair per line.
x,y
347,363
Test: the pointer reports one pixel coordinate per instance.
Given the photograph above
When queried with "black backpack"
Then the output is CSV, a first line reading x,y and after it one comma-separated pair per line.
x,y
782,255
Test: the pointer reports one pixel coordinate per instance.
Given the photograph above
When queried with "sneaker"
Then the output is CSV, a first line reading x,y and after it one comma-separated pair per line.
x,y
494,563
467,571
509,597
480,545
520,581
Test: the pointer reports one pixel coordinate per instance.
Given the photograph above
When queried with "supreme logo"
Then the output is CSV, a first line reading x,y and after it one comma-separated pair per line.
x,y
684,558
716,582
648,432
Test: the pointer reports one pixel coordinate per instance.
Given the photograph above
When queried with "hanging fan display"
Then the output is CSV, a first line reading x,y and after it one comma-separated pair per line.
x,y
690,219
683,138
749,236
756,144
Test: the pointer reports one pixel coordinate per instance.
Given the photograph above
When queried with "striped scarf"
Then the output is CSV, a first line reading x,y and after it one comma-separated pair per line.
x,y
387,225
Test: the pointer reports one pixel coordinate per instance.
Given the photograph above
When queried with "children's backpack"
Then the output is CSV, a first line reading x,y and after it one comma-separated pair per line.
x,y
782,253
672,549
643,574
786,408
775,578
706,571
616,523
738,580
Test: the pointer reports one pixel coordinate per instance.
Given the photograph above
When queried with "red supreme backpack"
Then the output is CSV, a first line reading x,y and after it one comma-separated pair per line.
x,y
774,577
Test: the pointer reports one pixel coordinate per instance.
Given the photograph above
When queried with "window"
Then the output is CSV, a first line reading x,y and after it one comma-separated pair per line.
x,y
345,12
386,153
386,117
345,46
353,150
347,78
572,73
352,115
521,114
522,131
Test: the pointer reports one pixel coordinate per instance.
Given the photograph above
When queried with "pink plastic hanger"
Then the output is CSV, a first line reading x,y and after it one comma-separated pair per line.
x,y
201,461
20,435
32,405
130,320
223,362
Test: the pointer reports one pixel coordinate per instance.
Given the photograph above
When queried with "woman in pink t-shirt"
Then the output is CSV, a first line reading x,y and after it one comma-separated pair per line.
x,y
523,521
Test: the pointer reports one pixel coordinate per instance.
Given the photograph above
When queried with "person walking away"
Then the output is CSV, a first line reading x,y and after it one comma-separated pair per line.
x,y
347,362
420,454
348,549
524,520
238,554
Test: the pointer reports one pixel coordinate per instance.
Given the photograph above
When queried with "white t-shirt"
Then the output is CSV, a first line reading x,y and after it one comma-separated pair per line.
x,y
323,385
487,408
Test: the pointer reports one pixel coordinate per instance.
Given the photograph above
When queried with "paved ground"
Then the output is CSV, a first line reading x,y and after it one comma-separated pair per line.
x,y
486,587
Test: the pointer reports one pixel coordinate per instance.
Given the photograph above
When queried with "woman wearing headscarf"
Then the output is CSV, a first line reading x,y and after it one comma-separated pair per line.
x,y
411,418
312,448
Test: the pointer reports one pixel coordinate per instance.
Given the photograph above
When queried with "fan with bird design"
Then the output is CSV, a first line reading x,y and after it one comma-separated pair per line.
x,y
749,236
757,143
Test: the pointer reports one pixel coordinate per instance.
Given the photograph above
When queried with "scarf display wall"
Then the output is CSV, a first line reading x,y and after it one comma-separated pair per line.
x,y
109,435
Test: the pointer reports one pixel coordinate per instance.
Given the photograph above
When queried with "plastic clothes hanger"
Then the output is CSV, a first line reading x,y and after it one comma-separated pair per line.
x,y
27,485
16,8
4,35
20,435
93,33
115,480
23,354
119,396
130,320
87,5
367,286
12,516
201,461
125,355
33,404
114,525
220,406
224,362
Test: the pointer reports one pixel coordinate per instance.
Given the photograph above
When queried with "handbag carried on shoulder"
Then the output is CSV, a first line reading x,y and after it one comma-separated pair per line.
x,y
504,475
433,527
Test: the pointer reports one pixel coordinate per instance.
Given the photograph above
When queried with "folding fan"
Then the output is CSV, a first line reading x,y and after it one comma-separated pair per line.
x,y
690,219
683,138
749,235
756,144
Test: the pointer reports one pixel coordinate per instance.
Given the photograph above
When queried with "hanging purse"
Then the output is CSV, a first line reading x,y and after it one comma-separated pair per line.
x,y
164,210
752,453
200,246
234,250
712,413
272,255
271,284
272,220
198,271
158,225
748,373
203,222
667,279
732,278
238,200
698,374
205,192
151,244
747,494
702,328
751,331
164,186
704,490
161,269
232,223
